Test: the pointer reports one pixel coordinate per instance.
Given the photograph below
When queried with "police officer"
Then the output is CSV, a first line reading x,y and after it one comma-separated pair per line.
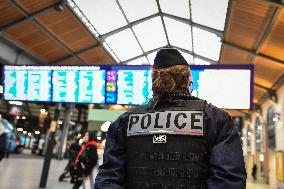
x,y
176,141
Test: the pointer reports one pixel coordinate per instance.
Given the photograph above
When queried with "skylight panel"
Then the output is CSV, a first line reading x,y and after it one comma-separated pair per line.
x,y
206,44
187,57
179,33
124,45
139,61
151,34
105,15
151,57
210,13
137,9
199,61
176,7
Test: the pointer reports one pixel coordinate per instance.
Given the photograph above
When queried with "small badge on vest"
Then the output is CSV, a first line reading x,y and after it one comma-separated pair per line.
x,y
159,139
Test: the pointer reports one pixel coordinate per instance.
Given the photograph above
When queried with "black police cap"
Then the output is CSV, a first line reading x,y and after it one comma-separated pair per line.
x,y
168,57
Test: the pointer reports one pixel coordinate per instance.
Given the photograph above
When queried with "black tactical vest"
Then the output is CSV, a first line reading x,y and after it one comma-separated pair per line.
x,y
167,147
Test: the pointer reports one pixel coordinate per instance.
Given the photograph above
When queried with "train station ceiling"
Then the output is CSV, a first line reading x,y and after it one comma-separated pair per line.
x,y
99,32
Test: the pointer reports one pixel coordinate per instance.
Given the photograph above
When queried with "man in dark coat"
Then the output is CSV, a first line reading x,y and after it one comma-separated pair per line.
x,y
177,141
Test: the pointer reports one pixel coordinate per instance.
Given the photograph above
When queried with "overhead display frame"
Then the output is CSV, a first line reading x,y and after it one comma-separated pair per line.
x,y
229,87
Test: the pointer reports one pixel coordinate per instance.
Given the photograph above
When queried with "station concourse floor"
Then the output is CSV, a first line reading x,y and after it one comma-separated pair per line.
x,y
24,171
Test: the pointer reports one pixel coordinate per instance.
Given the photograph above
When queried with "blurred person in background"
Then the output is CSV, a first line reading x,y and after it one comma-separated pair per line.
x,y
3,142
41,146
86,159
10,140
72,152
175,141
254,171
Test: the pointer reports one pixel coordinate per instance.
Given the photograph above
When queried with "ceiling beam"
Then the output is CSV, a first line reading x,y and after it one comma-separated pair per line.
x,y
58,62
196,55
16,45
131,28
131,24
181,49
39,25
191,29
98,38
29,18
140,56
183,20
253,52
228,18
262,87
277,3
275,86
163,22
269,26
219,33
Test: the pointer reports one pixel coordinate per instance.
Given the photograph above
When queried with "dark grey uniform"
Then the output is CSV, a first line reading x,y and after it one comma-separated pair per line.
x,y
181,144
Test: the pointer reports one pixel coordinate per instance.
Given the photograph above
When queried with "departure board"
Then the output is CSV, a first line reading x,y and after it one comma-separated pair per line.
x,y
39,85
27,83
79,85
134,86
15,87
126,85
91,86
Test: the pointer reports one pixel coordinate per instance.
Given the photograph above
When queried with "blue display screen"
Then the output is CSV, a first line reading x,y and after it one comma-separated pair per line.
x,y
129,85
33,84
132,86
79,85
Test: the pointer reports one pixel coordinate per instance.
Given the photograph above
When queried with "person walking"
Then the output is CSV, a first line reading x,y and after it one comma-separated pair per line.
x,y
86,160
72,152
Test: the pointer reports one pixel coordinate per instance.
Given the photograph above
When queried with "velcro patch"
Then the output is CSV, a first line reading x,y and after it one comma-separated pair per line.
x,y
167,122
159,139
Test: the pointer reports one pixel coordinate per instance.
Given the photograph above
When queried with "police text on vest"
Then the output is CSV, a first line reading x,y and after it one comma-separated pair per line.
x,y
170,122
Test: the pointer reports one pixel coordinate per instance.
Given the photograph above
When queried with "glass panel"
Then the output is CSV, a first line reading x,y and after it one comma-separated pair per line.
x,y
210,13
151,34
124,45
176,7
179,33
199,61
151,57
206,44
139,61
104,21
187,57
137,9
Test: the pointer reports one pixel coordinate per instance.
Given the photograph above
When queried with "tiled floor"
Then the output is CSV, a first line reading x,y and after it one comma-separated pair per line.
x,y
23,172
258,186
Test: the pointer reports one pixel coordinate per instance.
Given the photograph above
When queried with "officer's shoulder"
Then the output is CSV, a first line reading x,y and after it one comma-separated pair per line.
x,y
212,109
219,112
122,117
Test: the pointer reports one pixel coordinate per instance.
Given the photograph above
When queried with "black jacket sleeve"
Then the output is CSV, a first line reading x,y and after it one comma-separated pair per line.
x,y
91,160
111,174
226,159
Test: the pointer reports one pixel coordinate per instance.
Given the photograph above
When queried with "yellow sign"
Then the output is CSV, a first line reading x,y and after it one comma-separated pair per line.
x,y
280,166
53,126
